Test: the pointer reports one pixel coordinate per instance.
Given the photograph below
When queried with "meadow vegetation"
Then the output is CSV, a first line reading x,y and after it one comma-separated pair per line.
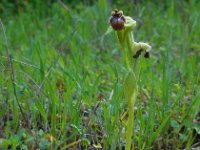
x,y
62,86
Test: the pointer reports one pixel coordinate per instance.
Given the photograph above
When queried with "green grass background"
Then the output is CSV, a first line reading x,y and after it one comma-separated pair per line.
x,y
81,94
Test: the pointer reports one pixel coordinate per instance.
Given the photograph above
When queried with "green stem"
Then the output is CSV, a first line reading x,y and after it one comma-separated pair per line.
x,y
131,103
132,99
129,133
126,59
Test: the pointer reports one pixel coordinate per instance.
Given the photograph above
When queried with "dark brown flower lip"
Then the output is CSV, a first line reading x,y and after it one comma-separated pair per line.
x,y
117,20
138,53
146,55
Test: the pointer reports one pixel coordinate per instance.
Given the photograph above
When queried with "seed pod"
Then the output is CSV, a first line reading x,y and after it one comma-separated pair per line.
x,y
117,20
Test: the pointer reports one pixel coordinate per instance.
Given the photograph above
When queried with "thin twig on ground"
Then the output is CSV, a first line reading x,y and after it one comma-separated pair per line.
x,y
21,62
9,56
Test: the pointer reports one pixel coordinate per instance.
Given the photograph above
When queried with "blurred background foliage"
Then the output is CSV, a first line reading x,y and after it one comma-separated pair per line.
x,y
89,69
8,7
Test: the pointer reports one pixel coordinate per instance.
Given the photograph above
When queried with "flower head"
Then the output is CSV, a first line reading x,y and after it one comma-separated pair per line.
x,y
117,20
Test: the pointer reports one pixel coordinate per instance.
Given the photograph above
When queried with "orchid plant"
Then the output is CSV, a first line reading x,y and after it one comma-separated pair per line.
x,y
124,27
